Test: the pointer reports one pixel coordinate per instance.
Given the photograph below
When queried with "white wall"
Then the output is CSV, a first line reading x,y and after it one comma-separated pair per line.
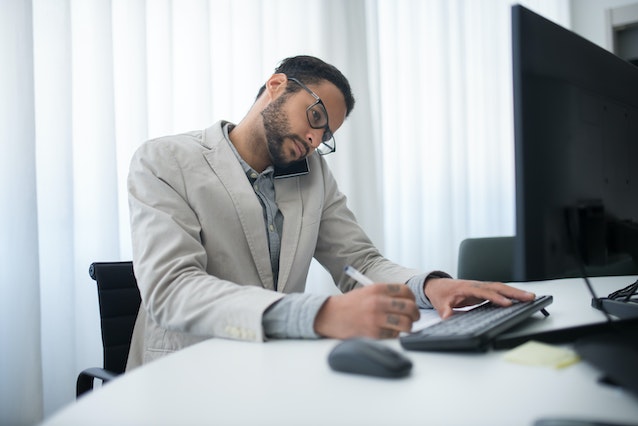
x,y
588,18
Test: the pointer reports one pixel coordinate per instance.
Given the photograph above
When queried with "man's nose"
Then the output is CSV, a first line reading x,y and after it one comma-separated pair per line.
x,y
314,137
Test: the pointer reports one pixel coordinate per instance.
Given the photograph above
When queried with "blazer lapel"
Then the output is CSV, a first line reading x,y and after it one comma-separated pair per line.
x,y
224,164
288,194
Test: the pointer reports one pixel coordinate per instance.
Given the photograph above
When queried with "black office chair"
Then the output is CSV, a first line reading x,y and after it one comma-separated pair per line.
x,y
486,259
119,300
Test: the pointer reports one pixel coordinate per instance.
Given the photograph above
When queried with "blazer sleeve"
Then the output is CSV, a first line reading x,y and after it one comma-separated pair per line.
x,y
342,241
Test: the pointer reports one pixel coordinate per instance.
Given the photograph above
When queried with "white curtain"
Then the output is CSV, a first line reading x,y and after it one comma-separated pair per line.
x,y
426,158
445,94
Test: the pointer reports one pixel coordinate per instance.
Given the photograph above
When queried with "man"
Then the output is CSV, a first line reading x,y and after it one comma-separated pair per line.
x,y
225,222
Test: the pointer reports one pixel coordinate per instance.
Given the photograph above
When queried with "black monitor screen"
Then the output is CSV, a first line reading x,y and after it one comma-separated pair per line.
x,y
576,154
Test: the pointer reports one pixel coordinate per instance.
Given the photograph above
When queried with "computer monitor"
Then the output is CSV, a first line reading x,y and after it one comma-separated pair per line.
x,y
576,154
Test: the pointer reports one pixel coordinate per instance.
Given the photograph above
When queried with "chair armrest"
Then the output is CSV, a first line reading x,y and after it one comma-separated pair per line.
x,y
87,377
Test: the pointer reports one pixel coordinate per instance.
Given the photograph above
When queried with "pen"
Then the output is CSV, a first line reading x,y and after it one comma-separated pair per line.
x,y
358,276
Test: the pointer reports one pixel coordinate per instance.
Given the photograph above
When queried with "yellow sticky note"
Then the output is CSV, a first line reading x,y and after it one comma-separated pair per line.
x,y
537,353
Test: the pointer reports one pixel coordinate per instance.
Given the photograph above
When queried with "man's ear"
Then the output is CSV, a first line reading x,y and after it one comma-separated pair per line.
x,y
276,85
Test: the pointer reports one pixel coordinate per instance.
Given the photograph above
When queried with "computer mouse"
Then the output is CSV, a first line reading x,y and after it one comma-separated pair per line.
x,y
368,357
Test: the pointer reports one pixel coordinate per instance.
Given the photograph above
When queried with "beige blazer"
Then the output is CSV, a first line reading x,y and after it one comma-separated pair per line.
x,y
200,249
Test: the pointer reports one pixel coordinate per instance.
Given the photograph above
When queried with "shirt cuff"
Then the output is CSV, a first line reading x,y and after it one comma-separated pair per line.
x,y
293,316
417,285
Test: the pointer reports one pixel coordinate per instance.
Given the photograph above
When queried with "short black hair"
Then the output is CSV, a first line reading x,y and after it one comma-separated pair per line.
x,y
311,70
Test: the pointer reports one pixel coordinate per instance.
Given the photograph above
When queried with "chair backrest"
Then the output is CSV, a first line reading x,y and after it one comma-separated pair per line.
x,y
119,300
486,259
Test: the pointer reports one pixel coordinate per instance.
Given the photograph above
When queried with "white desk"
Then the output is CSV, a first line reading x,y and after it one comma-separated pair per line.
x,y
222,382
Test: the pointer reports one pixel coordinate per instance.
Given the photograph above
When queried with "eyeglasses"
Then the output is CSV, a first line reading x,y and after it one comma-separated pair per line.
x,y
318,119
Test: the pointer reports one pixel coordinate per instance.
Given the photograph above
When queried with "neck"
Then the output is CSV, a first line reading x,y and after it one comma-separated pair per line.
x,y
251,145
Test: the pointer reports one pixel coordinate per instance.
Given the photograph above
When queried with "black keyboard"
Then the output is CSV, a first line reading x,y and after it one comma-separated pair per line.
x,y
473,329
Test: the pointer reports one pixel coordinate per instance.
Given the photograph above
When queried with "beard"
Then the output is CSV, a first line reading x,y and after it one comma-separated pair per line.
x,y
277,129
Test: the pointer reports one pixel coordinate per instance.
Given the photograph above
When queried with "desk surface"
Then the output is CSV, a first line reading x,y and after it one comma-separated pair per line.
x,y
226,382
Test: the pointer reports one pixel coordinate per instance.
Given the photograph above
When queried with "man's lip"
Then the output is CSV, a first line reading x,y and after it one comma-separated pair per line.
x,y
301,149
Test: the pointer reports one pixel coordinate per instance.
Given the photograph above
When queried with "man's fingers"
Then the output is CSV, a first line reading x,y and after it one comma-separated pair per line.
x,y
391,325
397,309
479,291
496,292
405,307
393,298
518,294
503,295
397,290
385,333
446,312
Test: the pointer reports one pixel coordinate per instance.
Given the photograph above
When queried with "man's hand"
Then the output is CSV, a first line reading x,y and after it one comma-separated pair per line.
x,y
376,311
446,294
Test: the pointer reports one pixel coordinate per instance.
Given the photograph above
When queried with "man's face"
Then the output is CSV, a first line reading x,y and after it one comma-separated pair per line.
x,y
278,132
289,136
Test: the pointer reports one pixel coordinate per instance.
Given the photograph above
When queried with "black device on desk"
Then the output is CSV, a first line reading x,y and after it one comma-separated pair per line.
x,y
474,329
368,357
576,154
